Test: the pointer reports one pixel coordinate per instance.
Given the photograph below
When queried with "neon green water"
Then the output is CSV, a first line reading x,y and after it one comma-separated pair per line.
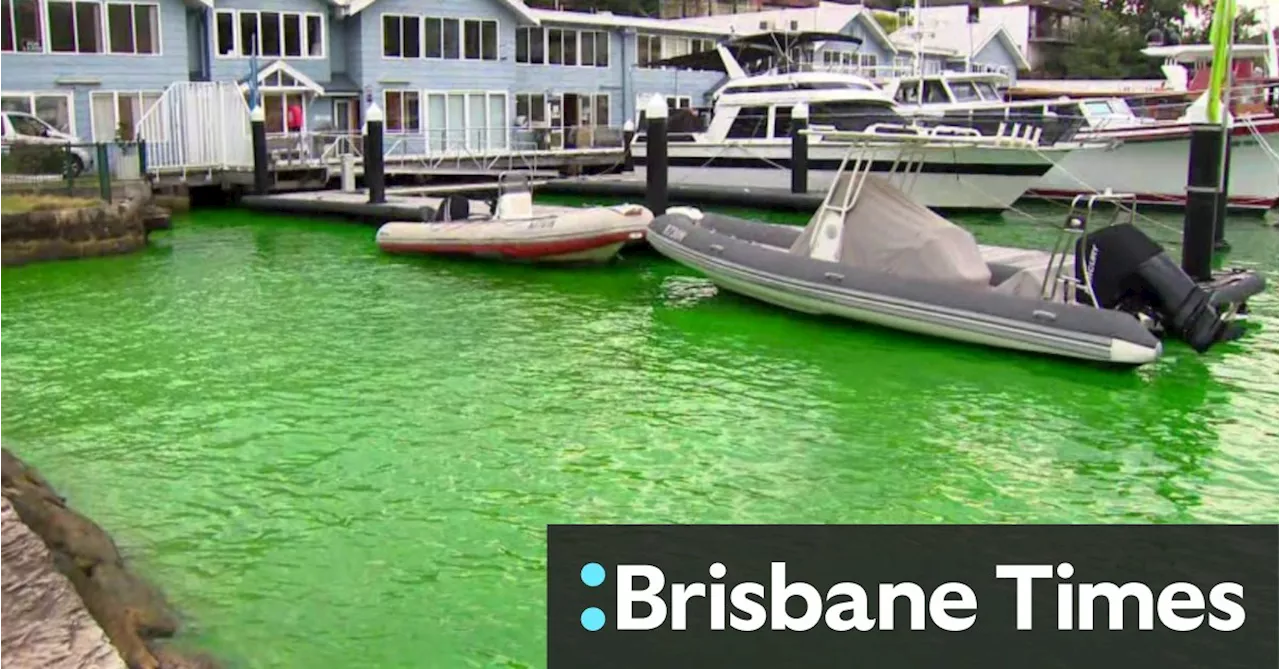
x,y
333,458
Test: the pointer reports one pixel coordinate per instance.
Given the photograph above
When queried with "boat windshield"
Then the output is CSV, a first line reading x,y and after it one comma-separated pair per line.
x,y
965,91
987,90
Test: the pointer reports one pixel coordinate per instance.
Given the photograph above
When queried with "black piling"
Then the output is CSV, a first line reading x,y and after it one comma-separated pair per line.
x,y
103,160
800,148
656,156
1204,183
1224,195
374,177
628,135
261,160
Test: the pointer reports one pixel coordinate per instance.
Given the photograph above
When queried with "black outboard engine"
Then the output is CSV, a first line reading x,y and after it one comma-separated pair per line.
x,y
1131,271
453,208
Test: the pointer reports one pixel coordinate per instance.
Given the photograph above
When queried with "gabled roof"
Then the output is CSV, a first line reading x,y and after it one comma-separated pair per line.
x,y
952,40
353,7
284,68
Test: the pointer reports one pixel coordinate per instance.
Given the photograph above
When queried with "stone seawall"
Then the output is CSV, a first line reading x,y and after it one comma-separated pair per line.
x,y
60,234
69,592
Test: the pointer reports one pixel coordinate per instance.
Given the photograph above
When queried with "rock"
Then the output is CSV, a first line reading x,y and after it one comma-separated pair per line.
x,y
45,622
105,229
156,218
130,610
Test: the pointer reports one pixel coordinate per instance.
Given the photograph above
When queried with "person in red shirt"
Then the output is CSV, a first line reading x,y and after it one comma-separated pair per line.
x,y
293,121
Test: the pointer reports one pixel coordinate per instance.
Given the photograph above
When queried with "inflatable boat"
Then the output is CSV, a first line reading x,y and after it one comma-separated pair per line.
x,y
515,231
871,254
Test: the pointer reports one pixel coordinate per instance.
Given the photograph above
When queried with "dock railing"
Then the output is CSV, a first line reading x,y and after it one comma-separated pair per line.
x,y
198,127
483,148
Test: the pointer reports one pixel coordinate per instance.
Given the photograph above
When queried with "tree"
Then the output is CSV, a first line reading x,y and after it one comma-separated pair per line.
x,y
1106,44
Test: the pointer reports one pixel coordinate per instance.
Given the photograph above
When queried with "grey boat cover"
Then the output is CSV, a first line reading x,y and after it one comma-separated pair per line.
x,y
887,232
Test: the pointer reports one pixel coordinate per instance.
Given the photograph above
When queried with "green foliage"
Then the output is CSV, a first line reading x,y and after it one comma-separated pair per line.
x,y
1108,43
887,20
35,159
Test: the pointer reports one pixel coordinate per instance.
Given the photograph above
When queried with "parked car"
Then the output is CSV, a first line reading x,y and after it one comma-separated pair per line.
x,y
23,128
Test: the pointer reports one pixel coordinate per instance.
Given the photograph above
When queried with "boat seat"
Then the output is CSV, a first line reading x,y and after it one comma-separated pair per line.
x,y
515,204
453,208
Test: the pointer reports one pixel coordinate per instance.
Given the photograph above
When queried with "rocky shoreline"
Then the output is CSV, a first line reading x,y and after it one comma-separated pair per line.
x,y
80,231
69,598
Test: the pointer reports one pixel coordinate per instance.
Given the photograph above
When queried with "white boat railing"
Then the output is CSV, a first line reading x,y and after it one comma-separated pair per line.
x,y
198,126
1249,123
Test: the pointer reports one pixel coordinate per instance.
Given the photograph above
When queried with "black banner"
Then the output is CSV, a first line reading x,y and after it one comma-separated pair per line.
x,y
886,596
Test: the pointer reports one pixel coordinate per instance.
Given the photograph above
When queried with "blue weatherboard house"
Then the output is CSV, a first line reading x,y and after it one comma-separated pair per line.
x,y
442,70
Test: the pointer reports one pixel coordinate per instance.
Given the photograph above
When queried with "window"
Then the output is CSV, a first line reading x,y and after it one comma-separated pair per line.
x,y
782,121
489,40
471,39
751,122
75,27
401,36
403,111
556,48
648,50
868,61
434,34
965,91
475,119
452,39
600,113
587,41
274,105
240,33
23,30
133,28
479,39
532,107
529,45
116,114
54,108
935,93
987,90
226,37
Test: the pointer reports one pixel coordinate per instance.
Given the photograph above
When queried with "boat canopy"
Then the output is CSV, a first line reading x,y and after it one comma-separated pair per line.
x,y
754,48
887,232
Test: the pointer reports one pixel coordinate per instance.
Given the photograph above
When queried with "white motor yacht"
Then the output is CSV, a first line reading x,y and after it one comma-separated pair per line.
x,y
744,141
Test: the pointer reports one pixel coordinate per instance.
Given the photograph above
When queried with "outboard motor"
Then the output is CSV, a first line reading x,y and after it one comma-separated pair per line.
x,y
453,208
1131,271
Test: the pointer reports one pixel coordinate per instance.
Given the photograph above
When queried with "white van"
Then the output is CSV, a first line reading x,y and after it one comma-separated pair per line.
x,y
23,128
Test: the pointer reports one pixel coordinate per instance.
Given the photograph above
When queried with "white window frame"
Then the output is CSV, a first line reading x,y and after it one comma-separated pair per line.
x,y
237,41
103,35
649,37
508,104
382,36
546,108
422,119
106,29
115,111
31,104
577,39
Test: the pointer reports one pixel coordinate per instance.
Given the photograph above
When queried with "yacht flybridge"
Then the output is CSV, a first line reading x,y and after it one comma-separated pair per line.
x,y
746,141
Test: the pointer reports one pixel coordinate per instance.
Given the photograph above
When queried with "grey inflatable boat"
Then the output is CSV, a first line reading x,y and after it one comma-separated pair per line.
x,y
870,254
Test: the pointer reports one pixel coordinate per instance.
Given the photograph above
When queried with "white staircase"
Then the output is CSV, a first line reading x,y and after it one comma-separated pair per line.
x,y
198,127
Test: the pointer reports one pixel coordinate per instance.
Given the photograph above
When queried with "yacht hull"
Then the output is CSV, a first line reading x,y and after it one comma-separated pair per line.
x,y
1152,165
950,178
750,258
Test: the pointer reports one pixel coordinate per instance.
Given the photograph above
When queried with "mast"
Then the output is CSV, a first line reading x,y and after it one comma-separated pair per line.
x,y
919,55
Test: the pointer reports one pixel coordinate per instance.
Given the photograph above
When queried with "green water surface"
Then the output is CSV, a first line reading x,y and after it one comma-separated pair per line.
x,y
329,457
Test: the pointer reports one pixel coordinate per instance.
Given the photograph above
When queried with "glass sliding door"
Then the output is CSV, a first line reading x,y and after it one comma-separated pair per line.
x,y
477,117
498,126
437,122
456,116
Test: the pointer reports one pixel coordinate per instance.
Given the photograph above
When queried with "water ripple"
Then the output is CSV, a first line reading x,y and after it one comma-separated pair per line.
x,y
337,458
